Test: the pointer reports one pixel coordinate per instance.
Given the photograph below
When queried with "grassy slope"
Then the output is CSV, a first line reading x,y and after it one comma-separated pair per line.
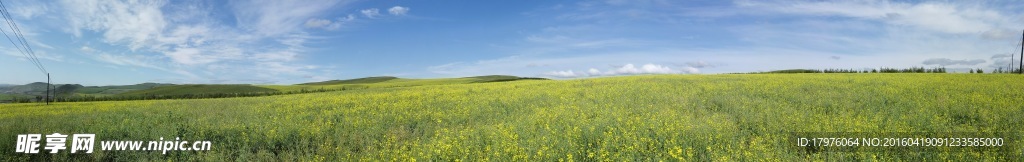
x,y
353,81
360,83
378,82
646,118
108,90
199,89
349,84
12,96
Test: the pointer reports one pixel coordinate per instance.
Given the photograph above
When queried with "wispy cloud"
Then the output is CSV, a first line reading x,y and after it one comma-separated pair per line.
x,y
273,17
27,9
329,24
947,62
398,10
267,36
563,74
934,16
136,24
40,54
371,13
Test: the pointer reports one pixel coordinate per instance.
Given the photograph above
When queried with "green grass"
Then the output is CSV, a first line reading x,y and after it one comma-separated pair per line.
x,y
5,97
748,117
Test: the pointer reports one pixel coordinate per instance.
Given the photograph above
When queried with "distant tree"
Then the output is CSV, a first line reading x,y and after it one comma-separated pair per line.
x,y
979,71
971,70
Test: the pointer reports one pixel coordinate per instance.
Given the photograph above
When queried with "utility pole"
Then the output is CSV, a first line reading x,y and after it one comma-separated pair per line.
x,y
1021,67
47,98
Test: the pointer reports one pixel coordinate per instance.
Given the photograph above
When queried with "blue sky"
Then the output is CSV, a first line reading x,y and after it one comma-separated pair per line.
x,y
110,42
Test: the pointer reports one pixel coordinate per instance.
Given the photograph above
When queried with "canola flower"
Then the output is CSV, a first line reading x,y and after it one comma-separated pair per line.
x,y
636,118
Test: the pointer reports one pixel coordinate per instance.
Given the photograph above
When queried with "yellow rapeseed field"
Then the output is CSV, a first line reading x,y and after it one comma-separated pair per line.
x,y
748,117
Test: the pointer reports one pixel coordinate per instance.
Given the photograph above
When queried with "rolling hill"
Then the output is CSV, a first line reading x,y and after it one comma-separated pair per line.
x,y
199,89
117,89
354,81
171,91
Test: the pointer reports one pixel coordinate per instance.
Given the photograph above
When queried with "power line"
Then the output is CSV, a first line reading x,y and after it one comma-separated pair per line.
x,y
18,47
21,39
1009,66
27,51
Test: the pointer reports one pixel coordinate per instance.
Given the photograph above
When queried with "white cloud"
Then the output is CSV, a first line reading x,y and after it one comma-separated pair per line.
x,y
999,56
691,70
133,61
371,13
27,9
780,35
86,49
1004,61
125,60
185,39
946,62
137,24
562,74
398,10
38,53
593,72
934,16
699,64
274,17
627,69
329,24
317,23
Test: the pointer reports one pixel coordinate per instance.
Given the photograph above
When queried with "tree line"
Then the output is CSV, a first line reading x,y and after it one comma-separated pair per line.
x,y
879,70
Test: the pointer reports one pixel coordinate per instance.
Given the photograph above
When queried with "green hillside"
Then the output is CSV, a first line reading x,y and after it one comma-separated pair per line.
x,y
118,89
148,91
199,89
31,88
353,81
390,82
501,78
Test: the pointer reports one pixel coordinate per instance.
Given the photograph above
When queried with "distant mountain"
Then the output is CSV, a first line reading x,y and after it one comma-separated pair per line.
x,y
354,81
117,89
199,89
39,88
501,78
30,88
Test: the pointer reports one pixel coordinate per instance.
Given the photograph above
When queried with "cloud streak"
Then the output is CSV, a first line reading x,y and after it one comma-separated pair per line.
x,y
267,36
947,62
398,10
371,13
329,24
939,17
